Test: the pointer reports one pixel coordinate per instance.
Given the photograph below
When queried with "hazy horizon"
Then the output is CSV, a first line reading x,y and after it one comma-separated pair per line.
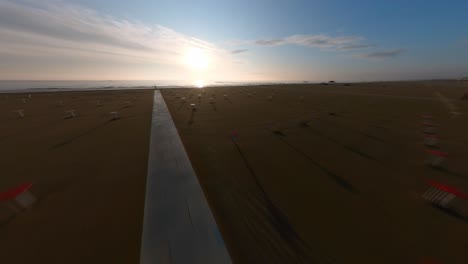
x,y
242,41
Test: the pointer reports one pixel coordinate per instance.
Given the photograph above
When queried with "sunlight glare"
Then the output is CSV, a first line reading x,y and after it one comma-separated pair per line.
x,y
197,59
199,83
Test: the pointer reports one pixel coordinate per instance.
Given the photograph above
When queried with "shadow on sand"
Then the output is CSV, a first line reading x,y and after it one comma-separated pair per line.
x,y
68,141
192,117
337,179
447,171
450,212
276,218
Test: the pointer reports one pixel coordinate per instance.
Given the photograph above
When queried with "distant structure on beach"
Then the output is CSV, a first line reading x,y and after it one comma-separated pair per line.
x,y
464,79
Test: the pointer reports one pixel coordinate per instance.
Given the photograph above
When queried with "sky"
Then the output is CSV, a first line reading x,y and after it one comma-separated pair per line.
x,y
243,40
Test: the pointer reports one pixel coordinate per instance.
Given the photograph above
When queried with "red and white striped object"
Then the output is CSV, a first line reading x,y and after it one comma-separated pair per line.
x,y
436,158
441,195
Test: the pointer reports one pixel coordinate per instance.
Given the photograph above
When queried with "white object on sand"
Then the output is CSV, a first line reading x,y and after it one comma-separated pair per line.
x,y
70,114
20,113
193,106
114,115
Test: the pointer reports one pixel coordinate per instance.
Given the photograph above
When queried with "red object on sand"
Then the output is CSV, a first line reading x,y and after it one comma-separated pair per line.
x,y
437,153
12,193
448,189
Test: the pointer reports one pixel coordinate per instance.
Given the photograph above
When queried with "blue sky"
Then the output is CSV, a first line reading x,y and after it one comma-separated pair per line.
x,y
234,40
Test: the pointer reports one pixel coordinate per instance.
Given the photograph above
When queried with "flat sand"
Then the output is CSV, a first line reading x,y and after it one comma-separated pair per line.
x,y
88,174
335,177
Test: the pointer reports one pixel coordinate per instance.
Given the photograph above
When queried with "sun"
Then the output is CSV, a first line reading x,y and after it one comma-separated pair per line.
x,y
197,59
199,83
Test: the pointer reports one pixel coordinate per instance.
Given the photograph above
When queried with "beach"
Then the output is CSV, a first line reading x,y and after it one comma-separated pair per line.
x,y
293,173
332,173
88,175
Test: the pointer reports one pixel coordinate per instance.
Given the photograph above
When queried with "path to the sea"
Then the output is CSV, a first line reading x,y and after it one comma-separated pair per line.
x,y
178,224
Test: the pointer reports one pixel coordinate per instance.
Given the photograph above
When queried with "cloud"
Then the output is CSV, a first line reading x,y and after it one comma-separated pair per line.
x,y
237,51
54,30
357,46
383,54
317,41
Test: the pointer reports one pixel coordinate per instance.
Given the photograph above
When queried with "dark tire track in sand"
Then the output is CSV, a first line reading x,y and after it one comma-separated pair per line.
x,y
337,179
278,234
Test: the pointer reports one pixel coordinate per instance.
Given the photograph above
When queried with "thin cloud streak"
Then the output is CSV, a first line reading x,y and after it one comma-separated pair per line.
x,y
317,41
358,46
383,54
239,51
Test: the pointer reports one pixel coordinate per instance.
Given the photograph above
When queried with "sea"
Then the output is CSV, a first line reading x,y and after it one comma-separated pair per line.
x,y
48,86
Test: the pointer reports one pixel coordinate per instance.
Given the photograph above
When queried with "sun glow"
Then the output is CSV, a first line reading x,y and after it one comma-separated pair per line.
x,y
197,59
199,83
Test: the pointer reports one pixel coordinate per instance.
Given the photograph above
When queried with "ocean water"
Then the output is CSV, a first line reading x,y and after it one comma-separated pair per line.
x,y
31,86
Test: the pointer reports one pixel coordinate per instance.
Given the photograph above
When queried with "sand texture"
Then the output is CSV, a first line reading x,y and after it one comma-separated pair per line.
x,y
328,174
88,174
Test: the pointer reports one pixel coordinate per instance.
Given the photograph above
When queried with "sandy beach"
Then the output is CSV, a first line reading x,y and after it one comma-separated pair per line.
x,y
302,173
328,173
88,174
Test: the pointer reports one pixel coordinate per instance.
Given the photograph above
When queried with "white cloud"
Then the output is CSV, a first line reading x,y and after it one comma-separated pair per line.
x,y
54,29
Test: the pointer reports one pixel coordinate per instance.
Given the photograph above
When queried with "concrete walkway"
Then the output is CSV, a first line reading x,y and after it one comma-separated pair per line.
x,y
178,224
